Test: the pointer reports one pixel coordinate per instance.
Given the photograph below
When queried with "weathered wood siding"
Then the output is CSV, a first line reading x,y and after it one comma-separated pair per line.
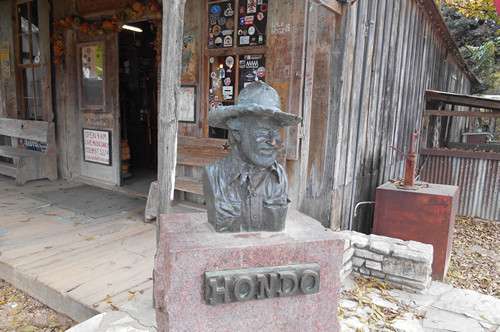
x,y
8,102
396,56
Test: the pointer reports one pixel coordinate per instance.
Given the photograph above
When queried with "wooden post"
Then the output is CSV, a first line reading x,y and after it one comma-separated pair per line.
x,y
172,30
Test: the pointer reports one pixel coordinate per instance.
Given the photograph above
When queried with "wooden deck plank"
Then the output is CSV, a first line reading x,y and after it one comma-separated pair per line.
x,y
119,258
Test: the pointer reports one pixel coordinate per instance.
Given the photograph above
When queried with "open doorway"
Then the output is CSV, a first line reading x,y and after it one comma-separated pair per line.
x,y
138,107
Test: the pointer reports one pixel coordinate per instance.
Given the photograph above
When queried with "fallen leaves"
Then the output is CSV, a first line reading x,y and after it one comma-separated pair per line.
x,y
377,317
24,314
475,262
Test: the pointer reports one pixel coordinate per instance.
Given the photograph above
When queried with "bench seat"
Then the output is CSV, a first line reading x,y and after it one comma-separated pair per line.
x,y
25,164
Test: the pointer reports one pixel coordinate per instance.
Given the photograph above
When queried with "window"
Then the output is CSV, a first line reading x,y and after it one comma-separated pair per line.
x,y
29,60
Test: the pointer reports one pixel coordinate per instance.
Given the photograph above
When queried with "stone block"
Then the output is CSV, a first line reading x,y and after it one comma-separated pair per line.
x,y
189,247
378,274
356,261
406,268
381,247
421,247
364,271
407,283
373,265
374,237
347,266
407,253
368,255
359,240
347,255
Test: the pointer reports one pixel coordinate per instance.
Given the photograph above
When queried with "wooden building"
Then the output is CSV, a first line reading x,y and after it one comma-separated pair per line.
x,y
357,74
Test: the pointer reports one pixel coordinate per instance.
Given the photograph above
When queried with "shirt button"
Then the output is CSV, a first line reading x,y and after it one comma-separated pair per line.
x,y
254,194
254,216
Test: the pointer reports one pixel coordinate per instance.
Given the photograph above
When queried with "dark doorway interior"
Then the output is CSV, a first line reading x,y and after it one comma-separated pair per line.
x,y
138,105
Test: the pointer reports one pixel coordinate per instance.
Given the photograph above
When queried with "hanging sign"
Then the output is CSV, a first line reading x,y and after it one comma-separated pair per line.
x,y
97,146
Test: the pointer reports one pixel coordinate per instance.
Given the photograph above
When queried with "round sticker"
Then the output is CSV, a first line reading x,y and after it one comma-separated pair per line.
x,y
212,59
220,104
261,72
263,7
251,30
228,41
213,75
227,81
218,42
215,9
211,96
260,16
221,21
229,61
216,30
212,104
230,23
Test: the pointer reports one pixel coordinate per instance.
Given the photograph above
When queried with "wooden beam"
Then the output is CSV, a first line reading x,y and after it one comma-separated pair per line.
x,y
462,113
331,5
463,100
172,30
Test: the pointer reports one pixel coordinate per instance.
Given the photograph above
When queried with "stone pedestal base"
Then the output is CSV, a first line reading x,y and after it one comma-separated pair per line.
x,y
189,247
425,215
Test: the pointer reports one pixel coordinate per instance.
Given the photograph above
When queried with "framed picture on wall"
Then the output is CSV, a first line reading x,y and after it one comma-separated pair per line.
x,y
187,104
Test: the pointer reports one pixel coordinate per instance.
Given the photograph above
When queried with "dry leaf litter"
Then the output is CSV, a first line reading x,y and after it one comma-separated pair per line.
x,y
20,312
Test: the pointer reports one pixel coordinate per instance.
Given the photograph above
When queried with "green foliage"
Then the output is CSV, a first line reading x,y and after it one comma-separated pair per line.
x,y
483,61
474,27
479,9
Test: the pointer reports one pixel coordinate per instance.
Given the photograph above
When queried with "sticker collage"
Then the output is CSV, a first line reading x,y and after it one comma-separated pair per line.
x,y
247,25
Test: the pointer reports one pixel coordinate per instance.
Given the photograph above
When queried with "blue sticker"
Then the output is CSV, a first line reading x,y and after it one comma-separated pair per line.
x,y
211,42
215,9
242,21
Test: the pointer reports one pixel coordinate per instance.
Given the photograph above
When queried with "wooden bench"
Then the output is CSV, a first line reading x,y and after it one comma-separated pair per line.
x,y
26,164
197,152
193,153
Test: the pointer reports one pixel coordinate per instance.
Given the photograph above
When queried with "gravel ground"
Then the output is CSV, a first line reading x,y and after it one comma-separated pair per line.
x,y
20,312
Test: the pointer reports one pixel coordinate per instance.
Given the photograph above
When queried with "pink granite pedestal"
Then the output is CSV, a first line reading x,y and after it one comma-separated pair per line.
x,y
189,247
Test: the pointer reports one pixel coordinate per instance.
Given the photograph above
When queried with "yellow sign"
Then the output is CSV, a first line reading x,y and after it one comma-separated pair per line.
x,y
5,57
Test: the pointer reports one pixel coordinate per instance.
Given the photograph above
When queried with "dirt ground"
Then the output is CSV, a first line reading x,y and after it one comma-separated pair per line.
x,y
20,312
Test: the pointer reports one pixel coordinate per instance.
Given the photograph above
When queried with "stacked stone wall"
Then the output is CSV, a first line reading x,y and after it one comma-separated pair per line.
x,y
402,263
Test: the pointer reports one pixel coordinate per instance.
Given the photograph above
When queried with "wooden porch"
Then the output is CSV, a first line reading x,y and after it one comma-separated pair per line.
x,y
74,263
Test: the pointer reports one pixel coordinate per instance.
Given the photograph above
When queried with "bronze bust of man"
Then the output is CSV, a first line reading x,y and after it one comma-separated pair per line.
x,y
247,191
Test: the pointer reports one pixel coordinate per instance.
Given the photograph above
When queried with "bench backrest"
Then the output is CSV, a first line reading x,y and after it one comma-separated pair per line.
x,y
200,151
26,129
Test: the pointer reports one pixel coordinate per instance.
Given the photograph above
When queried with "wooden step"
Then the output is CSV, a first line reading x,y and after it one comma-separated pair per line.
x,y
8,169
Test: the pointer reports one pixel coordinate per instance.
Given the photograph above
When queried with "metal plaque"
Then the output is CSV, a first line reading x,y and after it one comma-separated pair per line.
x,y
261,283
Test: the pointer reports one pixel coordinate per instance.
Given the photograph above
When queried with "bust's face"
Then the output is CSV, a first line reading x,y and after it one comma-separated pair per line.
x,y
260,140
